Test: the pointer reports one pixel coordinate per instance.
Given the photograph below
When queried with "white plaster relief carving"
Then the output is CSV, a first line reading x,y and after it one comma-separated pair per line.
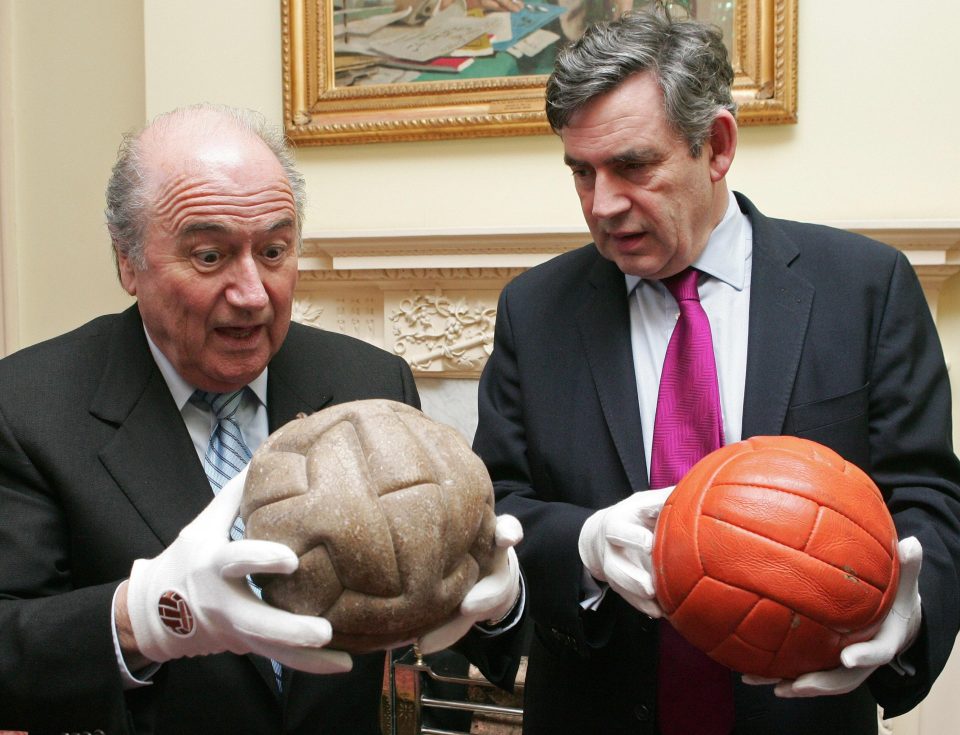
x,y
306,312
355,282
434,332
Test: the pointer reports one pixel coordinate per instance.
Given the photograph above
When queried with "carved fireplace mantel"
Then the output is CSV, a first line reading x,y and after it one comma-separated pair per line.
x,y
431,296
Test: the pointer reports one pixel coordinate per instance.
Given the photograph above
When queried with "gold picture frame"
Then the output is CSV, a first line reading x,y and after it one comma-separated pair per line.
x,y
317,112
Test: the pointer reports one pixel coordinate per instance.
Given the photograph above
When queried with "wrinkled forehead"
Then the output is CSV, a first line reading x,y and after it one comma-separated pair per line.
x,y
209,146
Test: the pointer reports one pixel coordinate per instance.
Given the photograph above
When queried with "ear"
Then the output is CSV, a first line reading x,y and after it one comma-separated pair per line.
x,y
723,145
126,271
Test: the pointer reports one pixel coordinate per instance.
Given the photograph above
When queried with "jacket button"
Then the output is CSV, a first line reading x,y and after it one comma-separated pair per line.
x,y
642,712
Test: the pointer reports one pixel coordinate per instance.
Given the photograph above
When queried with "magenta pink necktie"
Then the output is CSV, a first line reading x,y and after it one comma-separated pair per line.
x,y
694,693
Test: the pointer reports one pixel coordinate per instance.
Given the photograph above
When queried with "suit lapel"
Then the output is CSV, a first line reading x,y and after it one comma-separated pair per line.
x,y
603,322
780,304
151,456
291,389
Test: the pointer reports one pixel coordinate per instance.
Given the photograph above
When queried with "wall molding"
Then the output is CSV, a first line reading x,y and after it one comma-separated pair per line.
x,y
431,295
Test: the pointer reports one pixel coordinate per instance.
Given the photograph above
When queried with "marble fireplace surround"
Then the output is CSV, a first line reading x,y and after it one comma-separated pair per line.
x,y
431,296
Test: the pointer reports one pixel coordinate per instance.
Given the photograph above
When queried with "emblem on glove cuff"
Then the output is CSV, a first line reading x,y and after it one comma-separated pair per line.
x,y
175,613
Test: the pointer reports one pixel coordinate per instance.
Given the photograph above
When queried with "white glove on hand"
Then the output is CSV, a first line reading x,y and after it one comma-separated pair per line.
x,y
616,545
193,599
491,598
896,634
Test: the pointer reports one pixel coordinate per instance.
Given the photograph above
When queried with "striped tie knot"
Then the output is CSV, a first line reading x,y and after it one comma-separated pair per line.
x,y
227,452
221,405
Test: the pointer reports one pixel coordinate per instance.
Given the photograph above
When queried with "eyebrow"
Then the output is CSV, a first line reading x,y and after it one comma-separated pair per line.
x,y
219,227
643,155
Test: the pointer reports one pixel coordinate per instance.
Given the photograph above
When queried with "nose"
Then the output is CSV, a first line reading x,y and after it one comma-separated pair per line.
x,y
246,290
608,198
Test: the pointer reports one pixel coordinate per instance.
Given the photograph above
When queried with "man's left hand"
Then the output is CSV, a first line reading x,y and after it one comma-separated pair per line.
x,y
896,634
491,598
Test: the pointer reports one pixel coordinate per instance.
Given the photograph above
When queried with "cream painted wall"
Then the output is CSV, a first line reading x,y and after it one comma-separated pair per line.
x,y
875,141
73,81
875,122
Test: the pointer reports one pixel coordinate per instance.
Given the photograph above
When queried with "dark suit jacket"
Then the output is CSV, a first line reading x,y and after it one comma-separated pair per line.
x,y
97,469
841,350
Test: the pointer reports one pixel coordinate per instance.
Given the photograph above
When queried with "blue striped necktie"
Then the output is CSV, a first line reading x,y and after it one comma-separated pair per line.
x,y
227,454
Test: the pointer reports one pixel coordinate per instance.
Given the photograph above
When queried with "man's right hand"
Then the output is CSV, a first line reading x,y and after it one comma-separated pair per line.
x,y
193,599
616,544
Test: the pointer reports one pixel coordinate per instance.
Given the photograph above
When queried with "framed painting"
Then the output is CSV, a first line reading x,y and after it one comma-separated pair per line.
x,y
364,71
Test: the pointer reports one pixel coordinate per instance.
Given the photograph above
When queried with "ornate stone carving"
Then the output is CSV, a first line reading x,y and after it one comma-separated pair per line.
x,y
433,332
430,296
307,312
500,275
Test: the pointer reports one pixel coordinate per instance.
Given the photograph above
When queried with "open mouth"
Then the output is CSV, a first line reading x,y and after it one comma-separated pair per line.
x,y
239,332
626,240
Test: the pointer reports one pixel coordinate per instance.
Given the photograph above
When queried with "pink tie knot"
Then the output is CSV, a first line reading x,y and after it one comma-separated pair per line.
x,y
683,285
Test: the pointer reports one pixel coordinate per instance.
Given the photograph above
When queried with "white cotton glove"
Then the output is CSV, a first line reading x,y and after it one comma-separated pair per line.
x,y
200,580
491,598
616,545
896,634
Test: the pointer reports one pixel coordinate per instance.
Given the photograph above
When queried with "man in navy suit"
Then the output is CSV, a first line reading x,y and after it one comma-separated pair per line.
x,y
816,333
123,605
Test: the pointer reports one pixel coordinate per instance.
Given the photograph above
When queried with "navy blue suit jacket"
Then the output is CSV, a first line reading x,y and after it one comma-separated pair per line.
x,y
842,350
96,470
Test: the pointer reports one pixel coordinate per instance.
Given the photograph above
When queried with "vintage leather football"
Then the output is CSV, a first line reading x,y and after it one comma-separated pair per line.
x,y
774,553
390,512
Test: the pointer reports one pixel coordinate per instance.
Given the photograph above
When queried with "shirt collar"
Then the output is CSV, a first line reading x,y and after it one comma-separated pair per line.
x,y
181,390
725,256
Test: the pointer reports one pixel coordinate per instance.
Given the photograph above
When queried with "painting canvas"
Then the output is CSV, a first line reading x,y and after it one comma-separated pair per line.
x,y
384,70
377,42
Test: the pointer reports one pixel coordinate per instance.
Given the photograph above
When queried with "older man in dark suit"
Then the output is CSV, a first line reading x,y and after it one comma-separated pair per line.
x,y
812,332
113,436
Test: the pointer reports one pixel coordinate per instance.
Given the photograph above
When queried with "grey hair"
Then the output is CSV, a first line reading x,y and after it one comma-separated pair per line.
x,y
687,58
128,203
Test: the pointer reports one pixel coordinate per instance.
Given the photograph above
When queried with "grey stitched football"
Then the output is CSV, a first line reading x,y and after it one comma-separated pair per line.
x,y
390,512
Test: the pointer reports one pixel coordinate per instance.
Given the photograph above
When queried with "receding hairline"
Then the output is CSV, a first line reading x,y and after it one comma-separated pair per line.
x,y
187,131
185,141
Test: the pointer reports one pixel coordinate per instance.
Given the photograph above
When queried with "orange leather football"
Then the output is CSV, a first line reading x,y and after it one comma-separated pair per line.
x,y
774,553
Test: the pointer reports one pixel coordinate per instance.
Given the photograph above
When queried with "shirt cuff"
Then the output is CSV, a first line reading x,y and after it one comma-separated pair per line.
x,y
902,666
129,680
591,591
508,621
